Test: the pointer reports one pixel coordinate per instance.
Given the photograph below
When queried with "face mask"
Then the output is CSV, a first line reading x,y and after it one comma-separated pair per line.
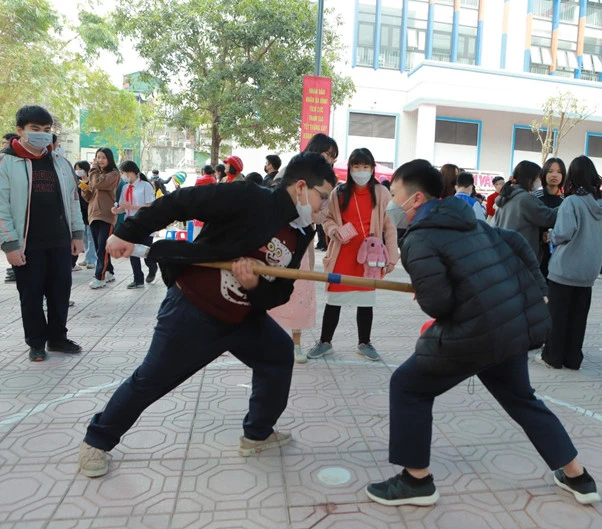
x,y
537,184
80,172
38,140
304,212
59,150
397,214
361,178
125,178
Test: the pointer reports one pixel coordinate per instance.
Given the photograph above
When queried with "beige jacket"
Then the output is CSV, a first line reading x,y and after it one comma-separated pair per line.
x,y
100,195
379,224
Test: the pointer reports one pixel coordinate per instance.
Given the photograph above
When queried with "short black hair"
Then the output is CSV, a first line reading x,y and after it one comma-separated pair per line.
x,y
155,171
497,179
221,169
274,160
310,167
207,169
465,179
33,114
10,136
82,164
420,175
254,177
54,138
322,143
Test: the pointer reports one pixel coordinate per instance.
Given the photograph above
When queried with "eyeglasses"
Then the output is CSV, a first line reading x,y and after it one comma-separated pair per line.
x,y
325,197
330,157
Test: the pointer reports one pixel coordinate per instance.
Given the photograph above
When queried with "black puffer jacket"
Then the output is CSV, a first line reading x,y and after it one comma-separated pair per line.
x,y
481,284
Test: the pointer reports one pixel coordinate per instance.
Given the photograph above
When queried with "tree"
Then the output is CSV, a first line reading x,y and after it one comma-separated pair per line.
x,y
233,66
560,114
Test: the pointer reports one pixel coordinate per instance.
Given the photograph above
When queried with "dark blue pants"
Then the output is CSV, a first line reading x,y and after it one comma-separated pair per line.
x,y
46,274
186,340
137,266
411,404
101,231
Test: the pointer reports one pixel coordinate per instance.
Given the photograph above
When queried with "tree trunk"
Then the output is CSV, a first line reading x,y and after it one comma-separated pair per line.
x,y
215,141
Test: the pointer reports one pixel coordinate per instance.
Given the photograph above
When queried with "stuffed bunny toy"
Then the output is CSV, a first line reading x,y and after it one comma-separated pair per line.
x,y
373,254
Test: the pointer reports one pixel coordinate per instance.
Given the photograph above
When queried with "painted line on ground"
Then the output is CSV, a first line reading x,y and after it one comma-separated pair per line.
x,y
578,409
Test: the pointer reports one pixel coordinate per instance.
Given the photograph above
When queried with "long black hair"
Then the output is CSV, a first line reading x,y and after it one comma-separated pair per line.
x,y
322,143
132,167
345,191
546,168
582,178
524,175
111,165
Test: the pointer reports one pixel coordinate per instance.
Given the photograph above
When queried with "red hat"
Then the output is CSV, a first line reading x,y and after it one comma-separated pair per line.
x,y
235,162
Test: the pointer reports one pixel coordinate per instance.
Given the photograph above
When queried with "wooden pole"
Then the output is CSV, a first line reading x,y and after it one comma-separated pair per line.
x,y
293,273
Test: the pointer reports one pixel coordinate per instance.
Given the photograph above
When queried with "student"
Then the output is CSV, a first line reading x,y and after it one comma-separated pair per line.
x,y
360,202
6,139
498,183
138,193
41,228
271,168
209,311
464,191
82,170
484,289
574,265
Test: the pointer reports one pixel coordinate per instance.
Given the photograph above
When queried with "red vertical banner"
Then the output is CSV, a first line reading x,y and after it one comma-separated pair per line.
x,y
315,111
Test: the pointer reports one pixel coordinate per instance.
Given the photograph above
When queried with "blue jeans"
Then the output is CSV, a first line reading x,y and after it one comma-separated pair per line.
x,y
186,340
412,394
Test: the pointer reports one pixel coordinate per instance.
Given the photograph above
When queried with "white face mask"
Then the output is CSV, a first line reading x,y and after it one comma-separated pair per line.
x,y
397,214
125,178
38,140
80,172
361,178
304,211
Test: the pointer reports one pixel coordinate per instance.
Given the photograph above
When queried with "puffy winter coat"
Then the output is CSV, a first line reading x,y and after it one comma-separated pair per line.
x,y
481,284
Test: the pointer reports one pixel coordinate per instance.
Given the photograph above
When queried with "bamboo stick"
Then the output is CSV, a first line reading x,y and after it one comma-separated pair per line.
x,y
293,273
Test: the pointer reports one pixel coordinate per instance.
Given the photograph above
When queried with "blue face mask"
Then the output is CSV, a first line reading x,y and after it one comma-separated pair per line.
x,y
38,140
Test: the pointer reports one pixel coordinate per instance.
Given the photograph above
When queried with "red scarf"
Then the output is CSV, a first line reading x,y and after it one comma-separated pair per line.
x,y
129,194
22,152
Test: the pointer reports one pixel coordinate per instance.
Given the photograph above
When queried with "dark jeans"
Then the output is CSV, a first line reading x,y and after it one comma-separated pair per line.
x,y
411,404
101,231
322,239
46,274
186,340
137,266
330,320
569,307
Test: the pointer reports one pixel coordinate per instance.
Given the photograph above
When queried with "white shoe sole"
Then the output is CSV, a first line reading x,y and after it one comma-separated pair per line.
x,y
583,499
422,501
313,357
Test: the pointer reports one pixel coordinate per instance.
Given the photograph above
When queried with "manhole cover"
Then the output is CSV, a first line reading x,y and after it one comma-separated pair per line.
x,y
334,476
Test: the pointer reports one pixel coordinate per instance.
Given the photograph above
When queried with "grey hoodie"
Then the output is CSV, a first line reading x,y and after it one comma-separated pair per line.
x,y
520,211
577,239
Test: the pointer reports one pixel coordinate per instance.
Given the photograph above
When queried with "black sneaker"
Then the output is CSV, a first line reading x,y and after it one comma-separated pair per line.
x,y
71,303
37,354
10,276
583,487
133,284
404,489
64,346
151,277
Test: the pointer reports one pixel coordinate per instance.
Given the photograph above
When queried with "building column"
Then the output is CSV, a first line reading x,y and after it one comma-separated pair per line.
x,y
425,132
505,23
528,33
581,37
480,23
555,28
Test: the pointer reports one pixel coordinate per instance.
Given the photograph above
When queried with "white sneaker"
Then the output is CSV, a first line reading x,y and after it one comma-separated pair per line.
x,y
97,283
83,263
300,356
109,277
92,461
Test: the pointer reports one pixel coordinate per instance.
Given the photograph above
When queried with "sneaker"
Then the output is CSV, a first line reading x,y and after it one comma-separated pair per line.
x,y
83,263
133,284
76,268
71,303
319,350
109,277
92,461
91,266
539,359
367,351
404,489
248,447
10,276
37,354
300,357
64,346
583,487
151,277
97,283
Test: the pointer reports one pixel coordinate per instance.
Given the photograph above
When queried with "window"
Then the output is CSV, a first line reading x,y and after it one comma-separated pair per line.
x,y
594,15
456,132
594,146
467,45
442,41
366,34
372,125
390,35
543,8
525,140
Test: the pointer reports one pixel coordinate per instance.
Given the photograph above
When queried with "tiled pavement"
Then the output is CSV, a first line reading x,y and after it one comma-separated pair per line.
x,y
178,467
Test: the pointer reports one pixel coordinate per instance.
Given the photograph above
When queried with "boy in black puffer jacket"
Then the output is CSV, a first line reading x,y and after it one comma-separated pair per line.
x,y
484,289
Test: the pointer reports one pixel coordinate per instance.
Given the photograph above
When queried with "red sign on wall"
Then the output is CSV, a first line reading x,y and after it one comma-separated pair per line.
x,y
315,111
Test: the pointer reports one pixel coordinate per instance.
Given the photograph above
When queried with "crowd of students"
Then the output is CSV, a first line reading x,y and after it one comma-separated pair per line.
x,y
481,282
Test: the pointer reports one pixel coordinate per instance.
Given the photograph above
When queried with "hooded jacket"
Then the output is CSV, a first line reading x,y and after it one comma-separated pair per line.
x,y
15,198
520,211
481,284
577,240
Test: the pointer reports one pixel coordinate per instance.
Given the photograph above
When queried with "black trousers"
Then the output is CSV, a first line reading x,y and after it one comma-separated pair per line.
x,y
46,274
101,231
186,340
330,320
569,307
137,266
412,394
